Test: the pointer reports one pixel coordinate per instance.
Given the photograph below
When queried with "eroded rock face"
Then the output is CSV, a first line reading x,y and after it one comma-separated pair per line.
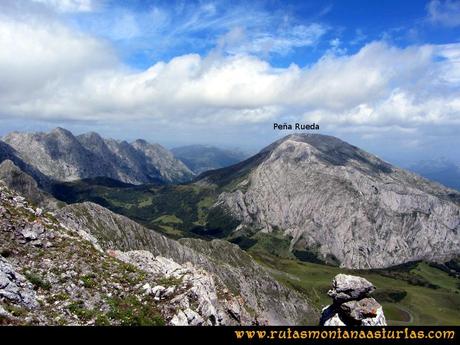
x,y
24,184
351,304
346,204
53,275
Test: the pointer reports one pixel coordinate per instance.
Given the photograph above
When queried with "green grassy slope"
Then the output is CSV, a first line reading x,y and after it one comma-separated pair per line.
x,y
174,210
416,294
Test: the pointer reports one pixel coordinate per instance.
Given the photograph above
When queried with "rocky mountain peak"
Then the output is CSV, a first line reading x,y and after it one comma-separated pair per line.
x,y
140,143
59,131
340,203
330,150
91,136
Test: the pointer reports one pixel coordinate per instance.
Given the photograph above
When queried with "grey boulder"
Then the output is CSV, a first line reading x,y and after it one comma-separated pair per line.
x,y
347,287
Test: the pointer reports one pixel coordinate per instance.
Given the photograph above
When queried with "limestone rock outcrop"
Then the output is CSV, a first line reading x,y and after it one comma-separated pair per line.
x,y
77,268
351,304
14,287
195,297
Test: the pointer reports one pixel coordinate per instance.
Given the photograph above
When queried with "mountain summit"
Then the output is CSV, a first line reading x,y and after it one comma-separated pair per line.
x,y
340,203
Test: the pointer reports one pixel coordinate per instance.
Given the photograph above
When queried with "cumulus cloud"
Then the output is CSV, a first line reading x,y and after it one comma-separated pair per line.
x,y
38,62
445,12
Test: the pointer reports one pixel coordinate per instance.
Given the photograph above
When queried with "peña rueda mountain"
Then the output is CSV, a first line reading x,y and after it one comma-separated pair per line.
x,y
341,203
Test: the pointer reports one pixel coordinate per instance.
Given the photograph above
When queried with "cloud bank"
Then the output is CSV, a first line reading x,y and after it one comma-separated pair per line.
x,y
51,72
48,71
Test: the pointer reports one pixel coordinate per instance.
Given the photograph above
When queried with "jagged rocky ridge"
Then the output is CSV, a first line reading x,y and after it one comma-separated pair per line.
x,y
61,156
341,203
54,273
351,304
261,295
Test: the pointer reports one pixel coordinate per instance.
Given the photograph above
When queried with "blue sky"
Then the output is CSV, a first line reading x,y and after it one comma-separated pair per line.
x,y
144,32
384,75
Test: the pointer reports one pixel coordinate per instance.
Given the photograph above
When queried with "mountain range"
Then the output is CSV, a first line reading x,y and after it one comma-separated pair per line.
x,y
305,198
61,156
322,198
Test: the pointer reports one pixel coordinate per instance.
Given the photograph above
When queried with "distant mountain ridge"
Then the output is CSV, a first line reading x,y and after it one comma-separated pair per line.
x,y
62,156
440,170
201,158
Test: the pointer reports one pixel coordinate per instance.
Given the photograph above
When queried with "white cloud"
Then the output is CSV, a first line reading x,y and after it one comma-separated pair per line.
x,y
35,58
48,71
446,12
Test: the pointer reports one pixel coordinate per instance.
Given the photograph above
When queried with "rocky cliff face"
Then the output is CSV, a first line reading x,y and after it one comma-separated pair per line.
x,y
351,304
195,297
341,203
260,294
169,168
59,271
10,154
62,156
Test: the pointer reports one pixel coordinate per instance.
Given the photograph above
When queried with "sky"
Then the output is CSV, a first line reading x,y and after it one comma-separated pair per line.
x,y
384,76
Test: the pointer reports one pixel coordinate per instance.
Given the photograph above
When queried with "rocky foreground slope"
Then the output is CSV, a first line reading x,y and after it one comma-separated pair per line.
x,y
61,156
80,268
261,295
340,203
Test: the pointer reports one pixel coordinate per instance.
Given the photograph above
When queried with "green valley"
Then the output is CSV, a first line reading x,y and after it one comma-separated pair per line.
x,y
174,210
413,294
